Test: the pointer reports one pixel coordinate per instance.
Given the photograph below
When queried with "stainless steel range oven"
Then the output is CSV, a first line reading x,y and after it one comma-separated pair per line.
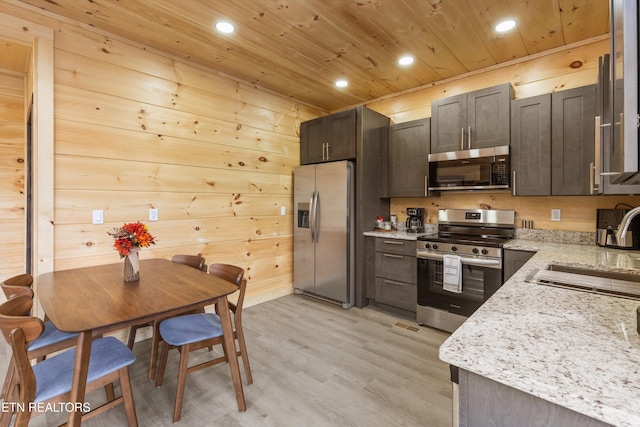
x,y
475,237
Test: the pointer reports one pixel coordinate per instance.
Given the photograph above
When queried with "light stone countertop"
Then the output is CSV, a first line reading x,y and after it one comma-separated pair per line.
x,y
576,349
401,233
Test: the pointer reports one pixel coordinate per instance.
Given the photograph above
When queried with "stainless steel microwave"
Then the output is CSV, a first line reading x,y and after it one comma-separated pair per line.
x,y
476,169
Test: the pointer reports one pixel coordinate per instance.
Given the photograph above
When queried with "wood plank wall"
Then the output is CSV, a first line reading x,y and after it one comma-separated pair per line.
x,y
542,73
136,129
12,174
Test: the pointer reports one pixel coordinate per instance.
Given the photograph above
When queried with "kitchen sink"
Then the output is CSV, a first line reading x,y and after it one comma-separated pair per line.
x,y
583,279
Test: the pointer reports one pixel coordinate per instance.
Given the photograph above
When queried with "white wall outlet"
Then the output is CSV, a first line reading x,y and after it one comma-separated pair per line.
x,y
153,214
555,215
283,210
98,216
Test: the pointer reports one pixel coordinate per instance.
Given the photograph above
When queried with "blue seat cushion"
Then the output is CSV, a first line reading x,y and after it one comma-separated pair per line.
x,y
190,328
54,375
50,335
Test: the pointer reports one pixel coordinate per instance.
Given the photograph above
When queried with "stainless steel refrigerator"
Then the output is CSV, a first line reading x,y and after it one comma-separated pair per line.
x,y
323,243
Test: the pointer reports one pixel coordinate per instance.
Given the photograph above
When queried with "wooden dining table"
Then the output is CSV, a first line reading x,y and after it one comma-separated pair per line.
x,y
97,300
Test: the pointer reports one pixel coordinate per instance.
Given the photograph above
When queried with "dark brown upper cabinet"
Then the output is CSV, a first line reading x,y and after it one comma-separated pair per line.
x,y
477,119
531,146
552,143
407,166
573,114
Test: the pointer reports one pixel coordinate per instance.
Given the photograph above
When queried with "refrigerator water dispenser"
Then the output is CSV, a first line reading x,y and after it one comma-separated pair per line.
x,y
303,215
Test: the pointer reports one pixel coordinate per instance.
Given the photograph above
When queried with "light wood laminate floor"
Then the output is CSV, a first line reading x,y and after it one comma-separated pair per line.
x,y
313,364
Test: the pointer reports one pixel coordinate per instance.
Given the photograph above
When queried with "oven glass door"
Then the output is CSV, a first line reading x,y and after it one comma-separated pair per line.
x,y
478,284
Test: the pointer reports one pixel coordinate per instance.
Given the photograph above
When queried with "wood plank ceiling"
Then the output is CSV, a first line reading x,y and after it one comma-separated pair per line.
x,y
298,48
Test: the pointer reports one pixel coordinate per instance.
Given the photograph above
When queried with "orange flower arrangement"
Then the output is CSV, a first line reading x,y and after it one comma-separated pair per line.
x,y
131,236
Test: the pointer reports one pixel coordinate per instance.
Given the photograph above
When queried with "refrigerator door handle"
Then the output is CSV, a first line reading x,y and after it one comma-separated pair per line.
x,y
312,216
316,222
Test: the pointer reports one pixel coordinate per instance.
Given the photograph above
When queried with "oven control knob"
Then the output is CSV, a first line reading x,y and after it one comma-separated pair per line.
x,y
453,248
475,250
434,246
427,245
484,252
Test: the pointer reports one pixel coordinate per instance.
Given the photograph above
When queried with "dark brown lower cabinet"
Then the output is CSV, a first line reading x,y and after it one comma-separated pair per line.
x,y
513,260
484,402
394,282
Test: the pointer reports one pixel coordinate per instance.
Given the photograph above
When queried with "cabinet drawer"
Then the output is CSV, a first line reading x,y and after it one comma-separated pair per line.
x,y
396,246
396,294
402,268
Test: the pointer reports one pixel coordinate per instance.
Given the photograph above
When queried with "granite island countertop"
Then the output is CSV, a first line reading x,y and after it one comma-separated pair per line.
x,y
575,349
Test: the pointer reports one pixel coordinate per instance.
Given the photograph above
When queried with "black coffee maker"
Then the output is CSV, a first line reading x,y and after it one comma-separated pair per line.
x,y
415,221
607,222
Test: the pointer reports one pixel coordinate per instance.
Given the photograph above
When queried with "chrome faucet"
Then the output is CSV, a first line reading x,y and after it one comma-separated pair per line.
x,y
621,232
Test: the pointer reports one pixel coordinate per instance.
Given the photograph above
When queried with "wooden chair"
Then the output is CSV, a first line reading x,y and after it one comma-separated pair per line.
x,y
50,341
195,261
195,331
50,380
17,285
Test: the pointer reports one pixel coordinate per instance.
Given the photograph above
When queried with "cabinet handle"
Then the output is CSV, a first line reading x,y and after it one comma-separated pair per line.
x,y
595,166
513,183
621,150
324,151
613,124
426,186
392,242
327,151
462,138
469,139
392,282
394,256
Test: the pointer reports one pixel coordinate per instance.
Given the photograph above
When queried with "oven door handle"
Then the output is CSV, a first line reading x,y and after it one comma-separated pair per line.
x,y
492,263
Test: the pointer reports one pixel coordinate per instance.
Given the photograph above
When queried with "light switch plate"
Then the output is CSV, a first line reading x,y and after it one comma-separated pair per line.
x,y
98,216
153,214
283,210
555,214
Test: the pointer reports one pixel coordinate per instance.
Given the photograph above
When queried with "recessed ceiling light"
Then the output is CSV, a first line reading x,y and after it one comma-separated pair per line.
x,y
342,83
406,60
225,27
505,26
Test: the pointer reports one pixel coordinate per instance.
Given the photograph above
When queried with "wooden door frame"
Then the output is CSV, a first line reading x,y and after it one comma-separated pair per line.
x,y
40,90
